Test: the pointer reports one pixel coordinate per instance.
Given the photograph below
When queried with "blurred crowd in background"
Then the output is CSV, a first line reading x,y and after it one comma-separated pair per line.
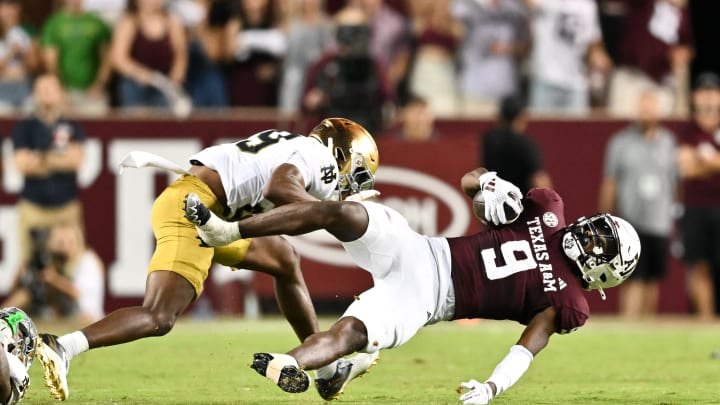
x,y
386,64
356,58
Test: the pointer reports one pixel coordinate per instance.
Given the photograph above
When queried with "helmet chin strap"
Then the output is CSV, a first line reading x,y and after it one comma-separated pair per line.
x,y
602,293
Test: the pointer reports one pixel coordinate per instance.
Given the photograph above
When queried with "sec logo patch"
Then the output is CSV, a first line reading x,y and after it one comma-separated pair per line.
x,y
550,219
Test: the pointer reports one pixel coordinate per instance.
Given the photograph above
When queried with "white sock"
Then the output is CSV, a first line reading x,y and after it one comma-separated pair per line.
x,y
326,372
74,343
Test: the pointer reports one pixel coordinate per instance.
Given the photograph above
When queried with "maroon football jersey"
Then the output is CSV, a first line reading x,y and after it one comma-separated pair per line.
x,y
517,270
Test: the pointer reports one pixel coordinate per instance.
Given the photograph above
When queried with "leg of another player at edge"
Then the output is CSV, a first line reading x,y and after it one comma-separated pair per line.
x,y
167,295
346,336
5,385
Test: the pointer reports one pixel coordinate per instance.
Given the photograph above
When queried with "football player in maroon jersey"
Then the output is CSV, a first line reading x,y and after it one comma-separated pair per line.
x,y
533,270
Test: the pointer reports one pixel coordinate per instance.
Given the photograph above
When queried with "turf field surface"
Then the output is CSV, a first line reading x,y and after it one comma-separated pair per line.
x,y
670,361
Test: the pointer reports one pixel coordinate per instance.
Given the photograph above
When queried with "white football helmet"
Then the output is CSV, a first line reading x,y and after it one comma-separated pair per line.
x,y
606,249
18,334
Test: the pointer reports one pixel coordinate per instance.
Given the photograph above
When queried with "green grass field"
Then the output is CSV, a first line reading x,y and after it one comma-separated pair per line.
x,y
207,362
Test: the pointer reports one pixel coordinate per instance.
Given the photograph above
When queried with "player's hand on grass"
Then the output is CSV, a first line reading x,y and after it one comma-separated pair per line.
x,y
478,394
497,192
212,231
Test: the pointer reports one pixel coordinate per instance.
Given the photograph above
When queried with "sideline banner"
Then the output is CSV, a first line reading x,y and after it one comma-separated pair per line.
x,y
421,180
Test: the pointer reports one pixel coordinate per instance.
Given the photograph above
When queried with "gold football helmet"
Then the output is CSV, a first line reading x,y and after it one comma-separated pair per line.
x,y
354,150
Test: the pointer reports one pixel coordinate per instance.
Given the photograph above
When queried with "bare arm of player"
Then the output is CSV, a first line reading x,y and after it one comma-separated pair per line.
x,y
286,185
470,182
346,221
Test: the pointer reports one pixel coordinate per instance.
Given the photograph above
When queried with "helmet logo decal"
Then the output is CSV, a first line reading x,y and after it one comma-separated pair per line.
x,y
550,219
13,320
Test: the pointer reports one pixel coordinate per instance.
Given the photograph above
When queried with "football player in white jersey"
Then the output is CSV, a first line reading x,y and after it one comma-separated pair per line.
x,y
533,270
19,340
234,180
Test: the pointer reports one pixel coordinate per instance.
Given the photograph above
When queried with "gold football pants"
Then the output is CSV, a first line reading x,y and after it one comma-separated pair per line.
x,y
178,249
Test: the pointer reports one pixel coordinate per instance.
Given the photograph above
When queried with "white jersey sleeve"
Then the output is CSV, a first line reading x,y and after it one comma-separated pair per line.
x,y
246,166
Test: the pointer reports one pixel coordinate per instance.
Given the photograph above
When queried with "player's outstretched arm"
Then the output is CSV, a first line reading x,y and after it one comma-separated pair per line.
x,y
345,220
534,338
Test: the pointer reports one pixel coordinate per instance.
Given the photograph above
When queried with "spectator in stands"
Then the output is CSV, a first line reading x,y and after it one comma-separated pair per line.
x,y
417,121
567,45
17,57
75,46
699,164
149,47
389,39
259,48
71,282
309,35
349,82
48,151
639,184
211,37
432,71
508,151
655,52
496,38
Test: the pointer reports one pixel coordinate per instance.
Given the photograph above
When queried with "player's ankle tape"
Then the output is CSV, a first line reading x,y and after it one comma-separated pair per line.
x,y
275,366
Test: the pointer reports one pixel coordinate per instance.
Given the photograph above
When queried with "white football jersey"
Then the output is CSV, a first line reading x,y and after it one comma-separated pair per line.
x,y
246,166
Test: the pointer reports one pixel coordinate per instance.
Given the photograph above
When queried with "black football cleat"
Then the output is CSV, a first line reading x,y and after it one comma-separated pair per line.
x,y
289,377
55,364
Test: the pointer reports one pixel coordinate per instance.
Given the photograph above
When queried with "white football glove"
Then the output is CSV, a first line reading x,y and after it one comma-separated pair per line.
x,y
363,195
479,394
212,230
497,192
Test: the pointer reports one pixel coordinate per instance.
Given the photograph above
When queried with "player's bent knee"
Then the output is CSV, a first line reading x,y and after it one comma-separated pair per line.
x,y
353,331
288,259
162,323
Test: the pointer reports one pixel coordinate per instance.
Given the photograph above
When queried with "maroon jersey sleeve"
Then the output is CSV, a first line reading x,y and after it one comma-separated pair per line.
x,y
517,270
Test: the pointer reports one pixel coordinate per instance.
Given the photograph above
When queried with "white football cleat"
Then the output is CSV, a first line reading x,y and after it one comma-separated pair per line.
x,y
55,365
345,371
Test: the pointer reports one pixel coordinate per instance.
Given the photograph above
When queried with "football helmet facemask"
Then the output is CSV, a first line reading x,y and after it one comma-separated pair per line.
x,y
354,150
23,338
606,249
